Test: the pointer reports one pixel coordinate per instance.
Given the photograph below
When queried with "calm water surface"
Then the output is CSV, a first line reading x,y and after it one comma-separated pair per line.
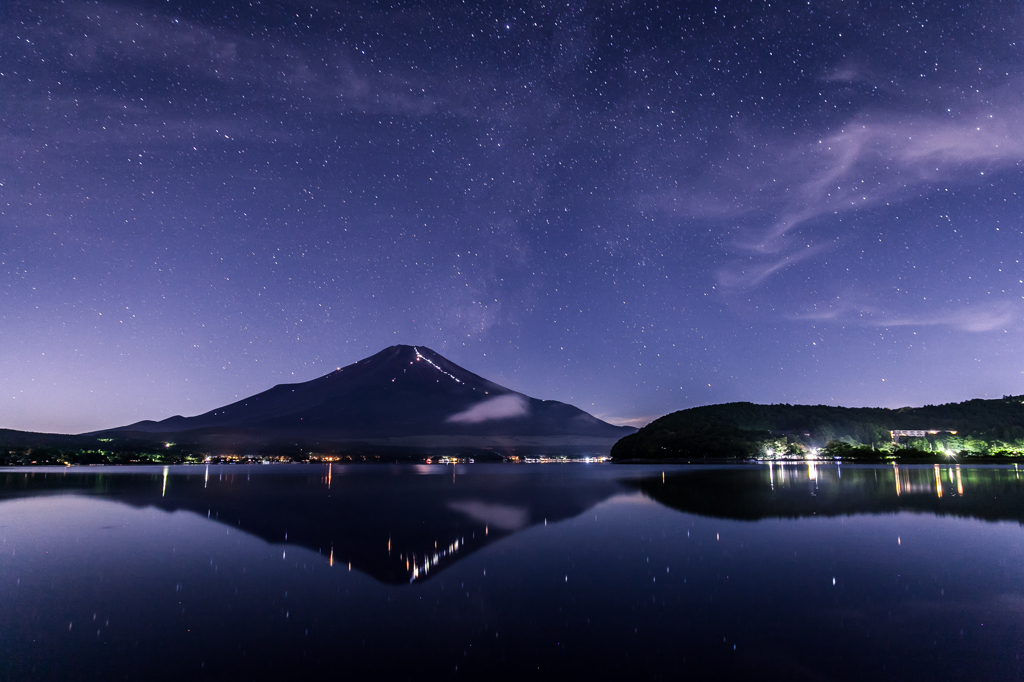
x,y
512,572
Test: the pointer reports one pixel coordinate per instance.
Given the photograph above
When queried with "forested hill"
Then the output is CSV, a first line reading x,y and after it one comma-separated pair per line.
x,y
751,430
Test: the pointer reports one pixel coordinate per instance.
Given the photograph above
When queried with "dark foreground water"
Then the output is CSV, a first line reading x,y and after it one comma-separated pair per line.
x,y
512,572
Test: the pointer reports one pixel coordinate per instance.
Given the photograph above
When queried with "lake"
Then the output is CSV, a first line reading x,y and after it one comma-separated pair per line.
x,y
794,571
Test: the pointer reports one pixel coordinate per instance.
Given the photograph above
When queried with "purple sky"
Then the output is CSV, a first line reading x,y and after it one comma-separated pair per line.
x,y
630,207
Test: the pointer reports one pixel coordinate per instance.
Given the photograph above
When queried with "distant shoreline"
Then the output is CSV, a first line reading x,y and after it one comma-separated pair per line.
x,y
554,460
942,460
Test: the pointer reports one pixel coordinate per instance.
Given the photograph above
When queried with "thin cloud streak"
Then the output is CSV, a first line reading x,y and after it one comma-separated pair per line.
x,y
965,319
737,278
977,319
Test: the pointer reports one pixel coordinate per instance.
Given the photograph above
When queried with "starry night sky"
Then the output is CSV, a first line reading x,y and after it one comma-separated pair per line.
x,y
631,207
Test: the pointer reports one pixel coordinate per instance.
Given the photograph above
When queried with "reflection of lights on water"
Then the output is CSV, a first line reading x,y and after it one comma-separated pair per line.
x,y
331,559
562,459
938,481
959,482
432,560
896,475
771,475
206,479
812,471
163,492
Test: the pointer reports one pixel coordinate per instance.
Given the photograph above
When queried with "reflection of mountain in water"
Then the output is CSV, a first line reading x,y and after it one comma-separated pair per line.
x,y
795,490
398,526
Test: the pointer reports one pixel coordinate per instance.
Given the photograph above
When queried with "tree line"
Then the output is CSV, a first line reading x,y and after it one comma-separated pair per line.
x,y
744,430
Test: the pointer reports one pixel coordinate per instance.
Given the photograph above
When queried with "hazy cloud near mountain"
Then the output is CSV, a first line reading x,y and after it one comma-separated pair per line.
x,y
500,407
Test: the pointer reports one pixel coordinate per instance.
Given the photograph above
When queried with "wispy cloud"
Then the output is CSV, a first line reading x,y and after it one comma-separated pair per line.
x,y
868,162
500,407
964,319
635,422
102,37
738,276
977,319
762,188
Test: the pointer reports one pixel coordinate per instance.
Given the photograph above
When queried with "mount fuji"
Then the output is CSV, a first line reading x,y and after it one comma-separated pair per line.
x,y
404,398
